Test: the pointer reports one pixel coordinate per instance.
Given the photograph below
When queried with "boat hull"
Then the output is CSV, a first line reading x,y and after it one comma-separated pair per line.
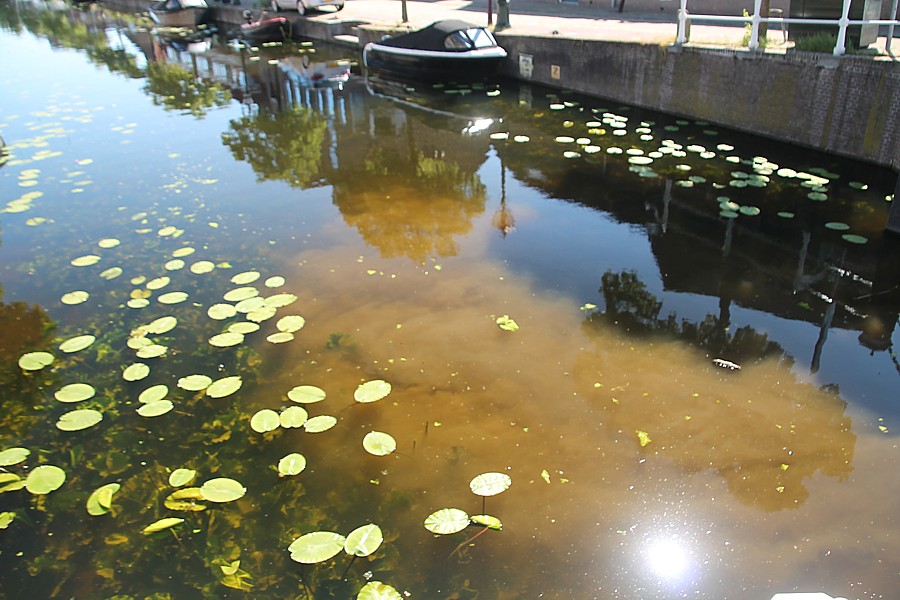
x,y
277,29
434,66
183,17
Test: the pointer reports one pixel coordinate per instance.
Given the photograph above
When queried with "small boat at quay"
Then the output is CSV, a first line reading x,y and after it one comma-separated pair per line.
x,y
265,28
178,13
445,51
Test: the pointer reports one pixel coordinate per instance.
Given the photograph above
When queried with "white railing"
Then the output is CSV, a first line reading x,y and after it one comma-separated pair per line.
x,y
756,18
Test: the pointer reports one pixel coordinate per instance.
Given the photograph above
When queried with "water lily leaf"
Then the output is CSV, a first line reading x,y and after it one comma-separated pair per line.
x,y
379,443
320,424
293,416
375,590
643,437
316,547
153,394
281,337
35,361
186,499
155,408
13,456
490,484
176,264
180,477
159,283
274,282
265,420
281,300
161,325
854,239
446,521
100,500
837,226
250,304
750,211
77,420
107,243
202,266
75,392
221,311
182,252
194,383
151,350
138,303
487,521
224,387
85,261
77,343
172,298
76,297
261,314
6,518
364,540
292,464
306,394
227,339
245,277
222,489
241,293
162,525
10,482
45,479
507,324
135,372
372,391
290,323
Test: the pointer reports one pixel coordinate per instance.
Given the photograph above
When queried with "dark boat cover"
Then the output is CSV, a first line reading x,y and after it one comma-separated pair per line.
x,y
431,37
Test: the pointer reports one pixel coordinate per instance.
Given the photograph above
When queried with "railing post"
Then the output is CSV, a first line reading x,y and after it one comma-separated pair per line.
x,y
754,29
681,36
841,46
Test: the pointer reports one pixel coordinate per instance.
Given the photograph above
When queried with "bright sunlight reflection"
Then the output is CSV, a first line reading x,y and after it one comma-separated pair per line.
x,y
668,559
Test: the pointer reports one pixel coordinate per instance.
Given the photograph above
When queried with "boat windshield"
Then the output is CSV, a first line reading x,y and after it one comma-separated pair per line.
x,y
477,37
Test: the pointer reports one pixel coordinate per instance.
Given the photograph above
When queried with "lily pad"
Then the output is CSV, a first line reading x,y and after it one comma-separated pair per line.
x,y
364,540
274,282
224,387
447,521
161,325
241,293
293,417
151,351
75,392
379,443
158,283
162,525
319,424
306,394
372,391
189,499
261,314
77,343
13,456
221,311
837,226
507,324
316,547
180,477
222,489
76,297
45,479
35,361
182,252
194,383
282,337
280,300
290,323
77,420
250,304
375,590
156,408
6,518
854,239
85,261
202,266
135,372
245,277
243,327
153,394
292,464
100,500
173,298
265,420
490,484
226,340
487,521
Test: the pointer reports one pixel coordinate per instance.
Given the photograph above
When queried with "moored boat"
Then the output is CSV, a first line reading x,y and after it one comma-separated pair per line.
x,y
449,50
266,29
178,13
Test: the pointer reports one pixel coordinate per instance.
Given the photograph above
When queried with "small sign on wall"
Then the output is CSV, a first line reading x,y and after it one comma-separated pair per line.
x,y
554,71
526,65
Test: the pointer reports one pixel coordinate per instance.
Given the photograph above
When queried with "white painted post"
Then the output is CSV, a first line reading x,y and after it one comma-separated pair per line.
x,y
681,37
841,46
754,30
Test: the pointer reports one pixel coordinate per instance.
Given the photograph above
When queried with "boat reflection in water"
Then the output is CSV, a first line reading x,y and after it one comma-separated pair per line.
x,y
178,13
306,72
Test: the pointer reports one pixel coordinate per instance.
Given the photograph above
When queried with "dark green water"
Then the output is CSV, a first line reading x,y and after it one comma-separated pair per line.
x,y
630,249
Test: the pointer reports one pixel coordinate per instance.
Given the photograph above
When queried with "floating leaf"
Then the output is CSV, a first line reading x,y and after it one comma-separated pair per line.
x,y
379,443
507,324
264,421
750,211
151,351
162,525
837,226
306,394
241,293
158,283
243,327
77,343
364,540
372,391
182,252
290,323
180,477
172,298
220,311
375,590
280,300
854,239
100,500
320,424
274,282
45,479
202,266
261,314
490,484
222,489
135,372
643,437
245,277
487,521
85,261
6,518
174,265
107,243
447,521
77,420
153,394
156,408
185,499
250,304
224,387
316,547
292,464
194,383
227,339
161,325
35,361
10,482
75,392
13,456
76,297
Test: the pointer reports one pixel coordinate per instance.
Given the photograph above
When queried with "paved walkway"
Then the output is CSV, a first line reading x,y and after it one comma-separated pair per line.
x,y
598,21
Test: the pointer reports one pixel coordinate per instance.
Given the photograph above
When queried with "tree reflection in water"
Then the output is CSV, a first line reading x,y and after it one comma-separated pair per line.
x,y
174,88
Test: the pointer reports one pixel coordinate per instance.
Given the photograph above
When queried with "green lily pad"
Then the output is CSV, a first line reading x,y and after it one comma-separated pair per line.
x,y
176,264
77,343
487,521
10,482
447,521
221,311
194,383
158,283
854,239
107,243
316,547
784,214
261,314
282,337
290,323
250,304
379,443
241,293
245,277
293,417
76,297
75,392
172,298
837,226
35,361
372,391
6,518
281,300
274,282
750,211
45,479
182,252
306,394
85,261
226,340
364,540
100,500
224,387
153,394
243,327
162,525
161,325
817,196
155,408
507,324
222,489
292,464
189,499
180,477
264,421
375,590
151,351
13,456
202,267
319,424
135,372
111,273
490,484
77,420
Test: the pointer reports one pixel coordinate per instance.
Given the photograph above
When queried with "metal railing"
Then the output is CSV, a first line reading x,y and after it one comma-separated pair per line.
x,y
756,18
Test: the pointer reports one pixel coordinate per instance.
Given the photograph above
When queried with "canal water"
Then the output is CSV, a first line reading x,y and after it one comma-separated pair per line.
x,y
265,321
